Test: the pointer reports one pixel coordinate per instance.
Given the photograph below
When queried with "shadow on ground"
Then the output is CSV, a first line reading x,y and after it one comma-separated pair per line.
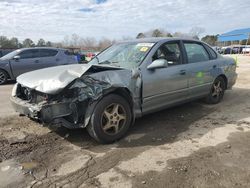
x,y
164,126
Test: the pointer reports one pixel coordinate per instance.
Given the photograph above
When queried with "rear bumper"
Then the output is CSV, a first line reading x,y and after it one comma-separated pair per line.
x,y
46,113
232,80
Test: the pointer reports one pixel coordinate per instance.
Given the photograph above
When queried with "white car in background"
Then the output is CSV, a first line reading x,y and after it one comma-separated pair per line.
x,y
246,50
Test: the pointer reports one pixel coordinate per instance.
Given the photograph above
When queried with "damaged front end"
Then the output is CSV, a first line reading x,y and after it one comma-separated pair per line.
x,y
73,105
47,109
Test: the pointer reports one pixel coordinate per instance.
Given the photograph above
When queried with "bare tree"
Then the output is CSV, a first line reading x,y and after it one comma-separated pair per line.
x,y
89,42
75,40
58,44
140,35
195,32
157,33
104,43
210,39
65,41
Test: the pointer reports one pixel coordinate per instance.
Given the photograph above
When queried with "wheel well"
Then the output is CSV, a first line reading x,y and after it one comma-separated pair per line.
x,y
8,76
125,93
224,77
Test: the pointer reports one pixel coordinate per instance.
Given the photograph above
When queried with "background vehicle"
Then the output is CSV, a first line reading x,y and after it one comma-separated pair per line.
x,y
28,59
246,50
226,50
125,81
3,52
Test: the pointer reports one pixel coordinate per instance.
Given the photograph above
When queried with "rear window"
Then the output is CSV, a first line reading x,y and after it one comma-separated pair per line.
x,y
47,52
212,52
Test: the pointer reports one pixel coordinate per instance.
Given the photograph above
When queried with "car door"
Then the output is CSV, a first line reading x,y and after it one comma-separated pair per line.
x,y
200,67
67,57
28,61
163,87
49,58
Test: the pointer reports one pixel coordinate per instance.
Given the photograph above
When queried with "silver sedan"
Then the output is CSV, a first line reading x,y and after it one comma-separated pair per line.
x,y
124,82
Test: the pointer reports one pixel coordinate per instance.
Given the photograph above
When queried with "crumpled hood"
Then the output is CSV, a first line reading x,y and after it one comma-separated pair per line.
x,y
53,80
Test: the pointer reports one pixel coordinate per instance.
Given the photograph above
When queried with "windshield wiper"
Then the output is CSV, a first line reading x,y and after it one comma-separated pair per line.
x,y
109,63
98,61
104,62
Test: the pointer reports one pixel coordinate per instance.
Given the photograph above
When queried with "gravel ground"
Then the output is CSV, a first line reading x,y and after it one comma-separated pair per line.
x,y
192,145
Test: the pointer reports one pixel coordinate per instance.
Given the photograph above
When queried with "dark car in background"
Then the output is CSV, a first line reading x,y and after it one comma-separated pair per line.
x,y
28,59
3,52
237,49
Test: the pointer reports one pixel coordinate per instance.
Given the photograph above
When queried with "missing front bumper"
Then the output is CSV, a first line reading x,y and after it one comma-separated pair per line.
x,y
46,113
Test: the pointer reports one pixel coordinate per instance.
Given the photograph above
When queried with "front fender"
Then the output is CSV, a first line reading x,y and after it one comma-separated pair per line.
x,y
7,67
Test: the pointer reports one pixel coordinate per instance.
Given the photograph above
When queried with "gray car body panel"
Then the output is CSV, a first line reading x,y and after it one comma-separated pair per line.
x,y
55,80
149,90
14,68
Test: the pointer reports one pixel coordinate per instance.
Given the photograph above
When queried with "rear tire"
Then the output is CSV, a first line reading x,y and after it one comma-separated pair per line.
x,y
217,91
110,120
3,77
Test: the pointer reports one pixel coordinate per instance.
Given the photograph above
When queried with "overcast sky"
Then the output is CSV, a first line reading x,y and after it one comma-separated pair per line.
x,y
54,19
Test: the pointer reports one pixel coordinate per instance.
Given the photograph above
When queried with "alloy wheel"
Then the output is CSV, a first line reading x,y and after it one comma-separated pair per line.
x,y
113,119
217,89
2,77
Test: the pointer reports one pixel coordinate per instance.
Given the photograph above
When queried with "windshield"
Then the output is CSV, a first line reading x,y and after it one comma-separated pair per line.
x,y
127,55
10,55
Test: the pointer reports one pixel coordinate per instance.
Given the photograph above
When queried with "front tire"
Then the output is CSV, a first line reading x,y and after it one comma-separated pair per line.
x,y
3,77
110,120
217,91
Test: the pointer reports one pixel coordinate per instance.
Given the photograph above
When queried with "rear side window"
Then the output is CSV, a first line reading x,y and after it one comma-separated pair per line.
x,y
47,52
29,54
68,52
196,52
212,52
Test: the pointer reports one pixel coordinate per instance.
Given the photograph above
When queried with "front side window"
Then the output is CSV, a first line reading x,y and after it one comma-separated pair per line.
x,y
29,54
170,52
127,55
10,55
196,52
47,52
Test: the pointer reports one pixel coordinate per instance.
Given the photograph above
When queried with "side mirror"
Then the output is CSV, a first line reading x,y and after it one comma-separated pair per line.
x,y
16,57
158,63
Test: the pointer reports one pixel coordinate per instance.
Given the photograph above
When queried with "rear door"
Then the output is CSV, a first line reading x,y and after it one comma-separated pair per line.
x,y
68,57
165,86
29,60
200,67
49,58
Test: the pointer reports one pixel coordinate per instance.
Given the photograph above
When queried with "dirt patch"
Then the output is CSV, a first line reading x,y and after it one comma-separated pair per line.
x,y
225,165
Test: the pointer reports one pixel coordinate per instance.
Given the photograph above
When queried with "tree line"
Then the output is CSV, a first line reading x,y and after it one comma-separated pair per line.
x,y
194,33
14,43
90,43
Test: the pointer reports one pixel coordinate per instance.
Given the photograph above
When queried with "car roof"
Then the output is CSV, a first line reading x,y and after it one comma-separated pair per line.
x,y
157,39
50,48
